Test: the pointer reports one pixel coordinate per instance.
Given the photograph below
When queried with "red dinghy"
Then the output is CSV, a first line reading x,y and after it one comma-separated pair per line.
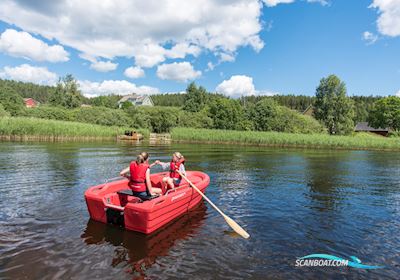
x,y
114,203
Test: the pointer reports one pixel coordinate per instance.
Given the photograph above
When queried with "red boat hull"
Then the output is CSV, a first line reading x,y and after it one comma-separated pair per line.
x,y
107,206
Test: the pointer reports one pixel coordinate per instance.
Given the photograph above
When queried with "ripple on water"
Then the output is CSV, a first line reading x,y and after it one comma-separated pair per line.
x,y
292,203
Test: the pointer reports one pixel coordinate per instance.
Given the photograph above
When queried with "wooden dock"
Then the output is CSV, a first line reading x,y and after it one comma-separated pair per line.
x,y
160,138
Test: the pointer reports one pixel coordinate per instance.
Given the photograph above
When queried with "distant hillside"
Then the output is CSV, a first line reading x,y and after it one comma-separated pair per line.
x,y
363,104
37,92
170,99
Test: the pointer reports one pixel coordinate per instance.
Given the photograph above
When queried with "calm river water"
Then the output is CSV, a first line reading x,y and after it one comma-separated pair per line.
x,y
292,202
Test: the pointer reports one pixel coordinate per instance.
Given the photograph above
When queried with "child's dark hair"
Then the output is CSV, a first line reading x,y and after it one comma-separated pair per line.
x,y
140,159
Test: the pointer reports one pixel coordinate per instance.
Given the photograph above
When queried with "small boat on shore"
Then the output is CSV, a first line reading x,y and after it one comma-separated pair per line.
x,y
113,202
130,136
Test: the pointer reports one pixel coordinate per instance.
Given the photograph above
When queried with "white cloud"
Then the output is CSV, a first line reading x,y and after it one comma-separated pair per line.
x,y
28,73
149,55
182,49
241,85
210,66
398,93
236,86
134,72
369,38
389,16
226,57
177,71
322,2
107,87
149,31
103,66
272,3
22,44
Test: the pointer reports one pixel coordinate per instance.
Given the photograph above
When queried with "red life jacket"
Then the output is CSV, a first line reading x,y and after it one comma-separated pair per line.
x,y
137,180
174,167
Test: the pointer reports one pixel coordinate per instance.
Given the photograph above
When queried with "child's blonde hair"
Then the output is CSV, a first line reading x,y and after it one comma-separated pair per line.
x,y
145,155
178,155
142,157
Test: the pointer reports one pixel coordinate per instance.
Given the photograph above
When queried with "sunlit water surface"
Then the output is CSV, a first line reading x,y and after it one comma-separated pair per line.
x,y
292,202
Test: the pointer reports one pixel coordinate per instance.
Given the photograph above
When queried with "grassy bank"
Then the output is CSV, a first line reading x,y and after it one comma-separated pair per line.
x,y
20,128
357,141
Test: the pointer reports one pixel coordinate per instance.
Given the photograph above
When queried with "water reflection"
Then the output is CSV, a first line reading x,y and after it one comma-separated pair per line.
x,y
141,251
292,202
325,175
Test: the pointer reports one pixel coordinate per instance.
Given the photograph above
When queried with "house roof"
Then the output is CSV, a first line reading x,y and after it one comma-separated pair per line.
x,y
127,97
27,99
135,98
310,107
363,126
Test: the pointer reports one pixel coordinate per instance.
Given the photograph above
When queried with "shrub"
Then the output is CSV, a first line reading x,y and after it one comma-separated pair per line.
x,y
158,119
386,113
102,116
50,113
11,101
3,112
226,113
196,120
267,115
264,115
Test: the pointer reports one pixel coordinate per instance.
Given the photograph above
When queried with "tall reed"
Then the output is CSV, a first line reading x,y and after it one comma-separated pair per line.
x,y
356,141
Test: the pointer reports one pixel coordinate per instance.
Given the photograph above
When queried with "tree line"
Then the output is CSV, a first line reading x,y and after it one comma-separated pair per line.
x,y
334,111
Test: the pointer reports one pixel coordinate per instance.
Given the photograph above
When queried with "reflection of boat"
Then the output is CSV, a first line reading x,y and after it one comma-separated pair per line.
x,y
114,203
142,250
131,136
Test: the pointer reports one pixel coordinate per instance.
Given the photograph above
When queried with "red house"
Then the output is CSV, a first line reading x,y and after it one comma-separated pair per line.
x,y
30,103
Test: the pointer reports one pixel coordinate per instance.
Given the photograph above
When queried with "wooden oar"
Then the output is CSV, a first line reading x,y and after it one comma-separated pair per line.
x,y
235,226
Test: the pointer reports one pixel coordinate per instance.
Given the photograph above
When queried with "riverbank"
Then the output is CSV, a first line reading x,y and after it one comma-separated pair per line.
x,y
361,141
32,129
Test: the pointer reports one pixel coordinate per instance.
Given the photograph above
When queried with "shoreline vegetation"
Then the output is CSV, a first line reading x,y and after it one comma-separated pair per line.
x,y
360,141
324,121
32,129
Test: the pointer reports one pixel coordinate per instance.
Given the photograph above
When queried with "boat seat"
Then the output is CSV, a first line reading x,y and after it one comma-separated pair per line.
x,y
130,193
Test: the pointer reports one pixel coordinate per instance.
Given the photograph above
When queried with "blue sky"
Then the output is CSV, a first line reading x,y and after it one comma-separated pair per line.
x,y
239,47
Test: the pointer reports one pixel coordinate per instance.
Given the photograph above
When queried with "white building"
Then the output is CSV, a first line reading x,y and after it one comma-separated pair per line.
x,y
136,100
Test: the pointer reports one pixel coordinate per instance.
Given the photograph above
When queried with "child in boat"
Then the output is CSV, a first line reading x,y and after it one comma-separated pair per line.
x,y
139,178
176,164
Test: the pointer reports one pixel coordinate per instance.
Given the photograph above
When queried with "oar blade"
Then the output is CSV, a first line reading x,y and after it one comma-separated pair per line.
x,y
235,226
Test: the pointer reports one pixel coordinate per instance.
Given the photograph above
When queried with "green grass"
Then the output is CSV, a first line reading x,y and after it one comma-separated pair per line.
x,y
356,141
20,126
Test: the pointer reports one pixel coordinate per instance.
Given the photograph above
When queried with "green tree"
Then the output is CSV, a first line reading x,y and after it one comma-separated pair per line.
x,y
386,113
11,101
67,93
226,113
195,98
264,114
169,99
109,101
267,115
197,120
126,105
332,107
